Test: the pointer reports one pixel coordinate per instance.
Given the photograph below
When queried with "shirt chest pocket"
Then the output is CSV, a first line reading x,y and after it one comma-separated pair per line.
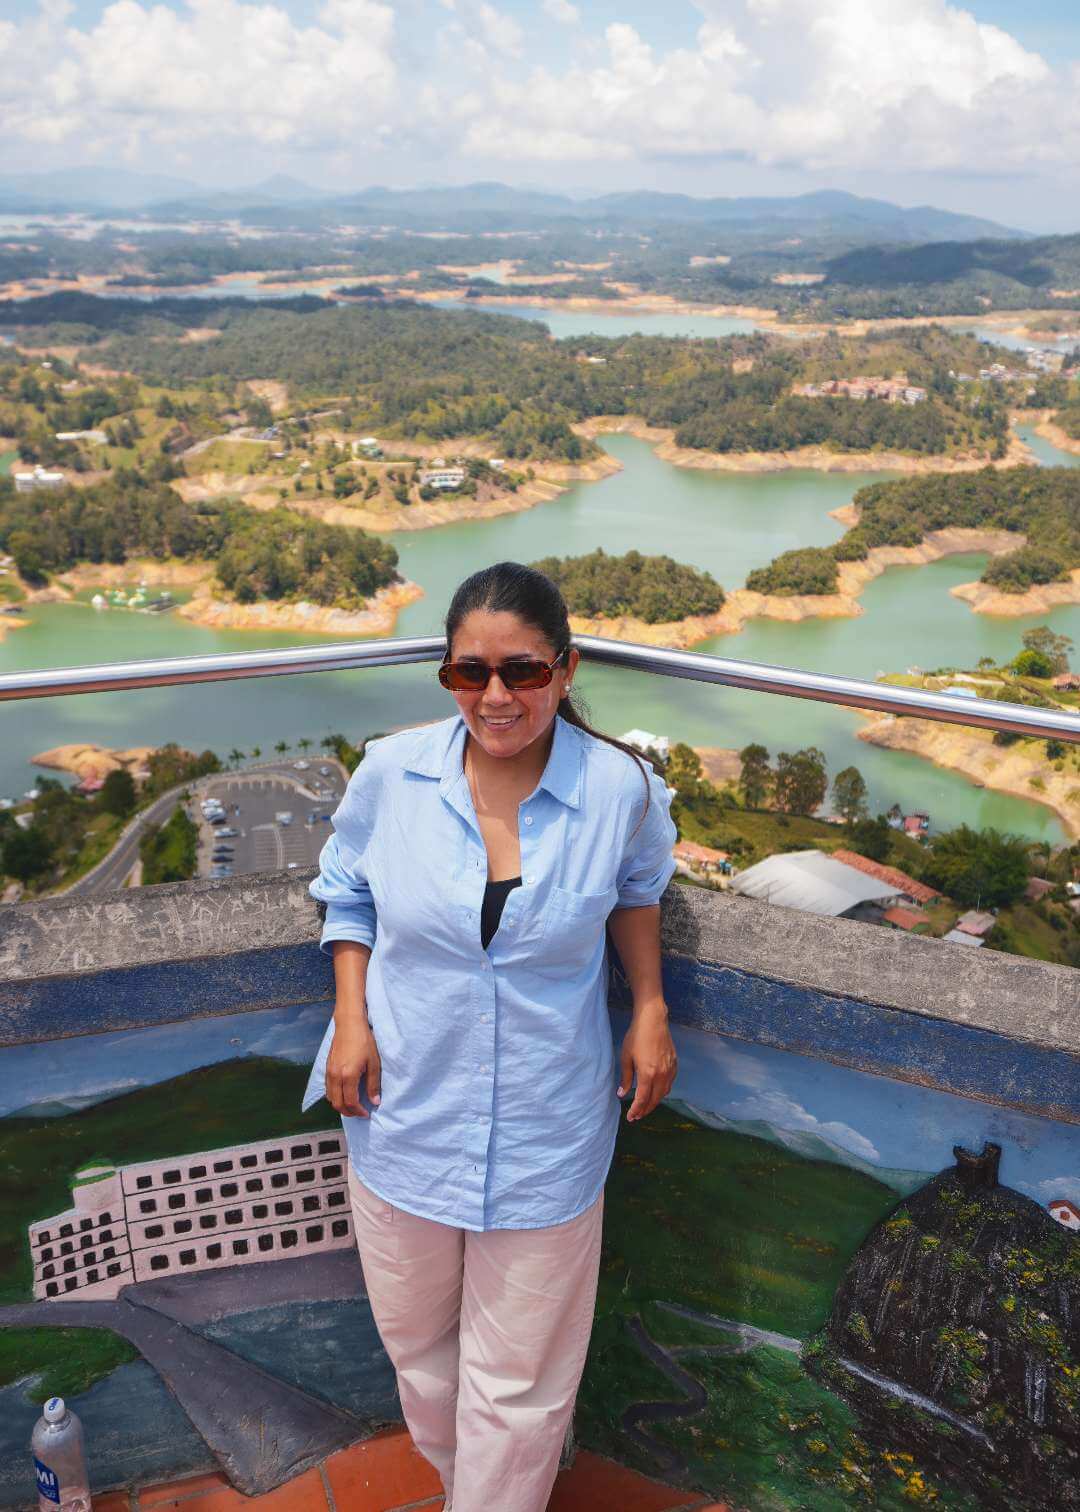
x,y
572,932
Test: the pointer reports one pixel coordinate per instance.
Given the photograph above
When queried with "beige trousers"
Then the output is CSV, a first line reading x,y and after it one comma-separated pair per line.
x,y
488,1335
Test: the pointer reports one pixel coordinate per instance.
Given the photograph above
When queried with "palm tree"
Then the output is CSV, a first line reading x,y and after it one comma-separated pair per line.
x,y
281,747
235,757
304,743
256,752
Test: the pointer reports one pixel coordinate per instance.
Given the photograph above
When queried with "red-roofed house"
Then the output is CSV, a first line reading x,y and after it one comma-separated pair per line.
x,y
906,887
977,924
906,919
1065,1212
1037,887
1068,681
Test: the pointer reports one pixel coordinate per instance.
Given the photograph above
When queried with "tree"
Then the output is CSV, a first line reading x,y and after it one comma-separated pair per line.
x,y
281,747
118,795
755,777
684,771
801,780
235,757
1054,647
256,752
980,868
849,794
304,743
871,838
27,853
1032,663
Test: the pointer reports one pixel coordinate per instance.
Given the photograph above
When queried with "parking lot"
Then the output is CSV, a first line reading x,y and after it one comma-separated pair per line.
x,y
280,815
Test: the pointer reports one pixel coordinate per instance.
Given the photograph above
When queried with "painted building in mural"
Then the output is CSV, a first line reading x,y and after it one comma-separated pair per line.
x,y
234,1206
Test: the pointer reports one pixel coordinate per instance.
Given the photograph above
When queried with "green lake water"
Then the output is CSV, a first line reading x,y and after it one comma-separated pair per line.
x,y
727,523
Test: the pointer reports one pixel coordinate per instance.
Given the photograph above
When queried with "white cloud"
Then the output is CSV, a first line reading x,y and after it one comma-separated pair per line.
x,y
827,86
562,11
1061,1186
769,1100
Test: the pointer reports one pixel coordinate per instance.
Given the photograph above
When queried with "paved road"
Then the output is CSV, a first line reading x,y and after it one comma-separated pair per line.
x,y
111,873
254,798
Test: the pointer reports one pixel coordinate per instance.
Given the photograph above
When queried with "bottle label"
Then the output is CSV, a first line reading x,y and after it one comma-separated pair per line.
x,y
48,1483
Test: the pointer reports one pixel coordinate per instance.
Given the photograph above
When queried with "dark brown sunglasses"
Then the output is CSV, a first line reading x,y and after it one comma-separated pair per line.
x,y
473,676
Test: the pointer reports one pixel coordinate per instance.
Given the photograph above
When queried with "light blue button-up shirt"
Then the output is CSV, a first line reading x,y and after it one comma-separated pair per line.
x,y
498,1106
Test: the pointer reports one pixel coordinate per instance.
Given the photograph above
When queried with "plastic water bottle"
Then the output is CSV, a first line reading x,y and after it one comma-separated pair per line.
x,y
60,1460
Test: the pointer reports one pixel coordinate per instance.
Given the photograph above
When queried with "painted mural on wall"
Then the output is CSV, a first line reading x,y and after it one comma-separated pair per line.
x,y
820,1289
824,1289
177,1255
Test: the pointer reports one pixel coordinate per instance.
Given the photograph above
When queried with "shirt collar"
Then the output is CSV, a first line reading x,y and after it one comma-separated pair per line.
x,y
440,755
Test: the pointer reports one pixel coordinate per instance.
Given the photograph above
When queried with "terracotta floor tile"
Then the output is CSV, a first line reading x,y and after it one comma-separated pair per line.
x,y
383,1473
304,1493
112,1501
171,1491
594,1484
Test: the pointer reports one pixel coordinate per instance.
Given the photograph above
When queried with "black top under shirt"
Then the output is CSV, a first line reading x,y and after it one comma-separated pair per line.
x,y
495,896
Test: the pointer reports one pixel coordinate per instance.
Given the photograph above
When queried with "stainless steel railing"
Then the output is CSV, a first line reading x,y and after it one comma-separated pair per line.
x,y
821,687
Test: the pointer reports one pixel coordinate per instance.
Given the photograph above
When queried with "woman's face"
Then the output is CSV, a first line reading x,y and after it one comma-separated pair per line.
x,y
503,720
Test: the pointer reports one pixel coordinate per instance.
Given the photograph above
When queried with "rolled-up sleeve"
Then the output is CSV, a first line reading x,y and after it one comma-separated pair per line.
x,y
342,883
647,864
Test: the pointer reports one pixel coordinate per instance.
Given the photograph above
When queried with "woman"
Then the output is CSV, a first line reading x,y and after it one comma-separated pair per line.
x,y
473,870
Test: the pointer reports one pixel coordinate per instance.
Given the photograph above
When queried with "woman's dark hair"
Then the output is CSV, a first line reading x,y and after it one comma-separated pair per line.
x,y
511,588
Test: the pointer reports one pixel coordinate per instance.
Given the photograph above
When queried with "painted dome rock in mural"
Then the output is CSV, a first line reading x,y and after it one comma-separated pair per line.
x,y
956,1329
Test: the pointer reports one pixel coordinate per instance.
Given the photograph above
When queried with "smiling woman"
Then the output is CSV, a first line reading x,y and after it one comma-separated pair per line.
x,y
475,867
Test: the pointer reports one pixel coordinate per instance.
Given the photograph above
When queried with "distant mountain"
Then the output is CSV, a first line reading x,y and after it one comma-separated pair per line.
x,y
283,200
810,1146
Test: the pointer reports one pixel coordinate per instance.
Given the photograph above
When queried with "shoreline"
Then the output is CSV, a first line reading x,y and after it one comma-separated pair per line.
x,y
1050,431
971,752
1040,598
378,617
90,760
260,492
818,458
743,604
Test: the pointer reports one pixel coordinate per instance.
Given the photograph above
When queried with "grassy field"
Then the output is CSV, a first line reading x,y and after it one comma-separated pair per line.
x,y
764,833
728,1224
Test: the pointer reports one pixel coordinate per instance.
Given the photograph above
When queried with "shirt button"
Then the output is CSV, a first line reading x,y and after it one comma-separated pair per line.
x,y
483,1018
528,819
529,881
485,1068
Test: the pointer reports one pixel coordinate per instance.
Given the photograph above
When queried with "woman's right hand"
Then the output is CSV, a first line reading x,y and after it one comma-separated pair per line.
x,y
353,1056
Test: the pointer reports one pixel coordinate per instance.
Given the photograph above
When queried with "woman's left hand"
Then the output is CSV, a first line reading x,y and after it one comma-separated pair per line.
x,y
649,1054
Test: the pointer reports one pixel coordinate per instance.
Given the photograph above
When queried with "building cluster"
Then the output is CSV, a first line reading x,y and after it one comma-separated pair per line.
x,y
891,390
842,885
269,1200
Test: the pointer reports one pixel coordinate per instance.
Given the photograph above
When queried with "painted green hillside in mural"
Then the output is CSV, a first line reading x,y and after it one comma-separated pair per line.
x,y
734,1230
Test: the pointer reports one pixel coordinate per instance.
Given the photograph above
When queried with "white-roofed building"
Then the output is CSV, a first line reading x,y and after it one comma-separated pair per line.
x,y
648,743
813,882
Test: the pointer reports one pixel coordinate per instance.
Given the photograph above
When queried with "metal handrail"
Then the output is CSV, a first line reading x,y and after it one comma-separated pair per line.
x,y
821,687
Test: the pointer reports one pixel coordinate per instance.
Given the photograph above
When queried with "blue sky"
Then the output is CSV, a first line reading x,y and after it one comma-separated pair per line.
x,y
969,107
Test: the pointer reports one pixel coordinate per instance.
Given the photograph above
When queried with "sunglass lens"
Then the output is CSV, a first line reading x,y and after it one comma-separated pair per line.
x,y
525,674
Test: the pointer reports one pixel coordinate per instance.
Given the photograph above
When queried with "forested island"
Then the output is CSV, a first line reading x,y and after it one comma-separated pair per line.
x,y
415,373
276,555
1039,505
654,589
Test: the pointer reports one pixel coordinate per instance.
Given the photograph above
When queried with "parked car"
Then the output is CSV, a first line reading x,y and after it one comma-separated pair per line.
x,y
228,831
284,816
215,818
325,772
301,766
